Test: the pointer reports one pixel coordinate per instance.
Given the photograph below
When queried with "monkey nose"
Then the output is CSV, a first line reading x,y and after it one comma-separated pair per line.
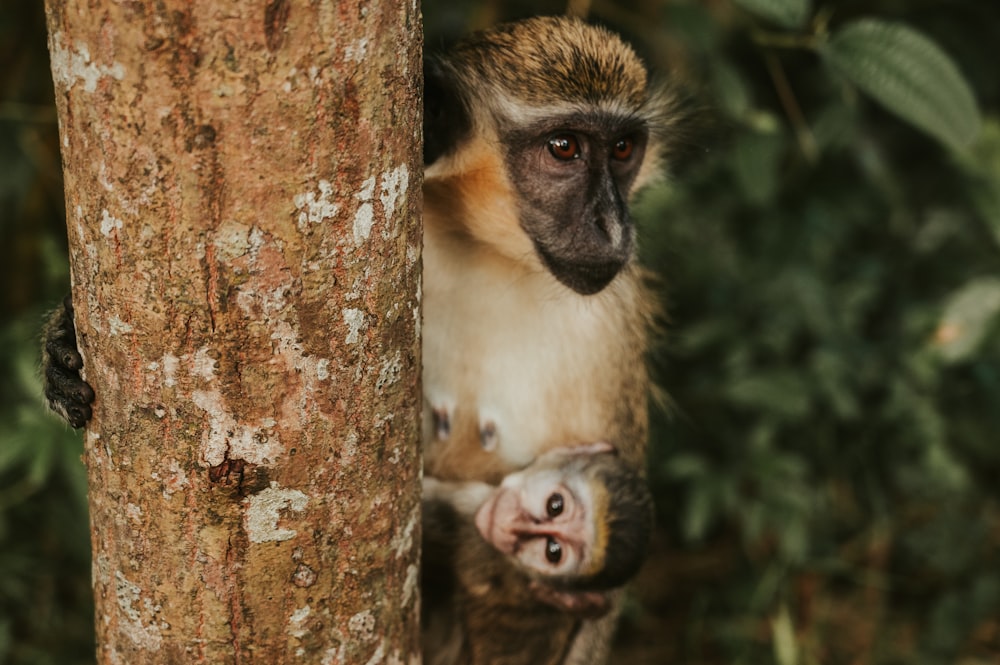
x,y
531,527
613,229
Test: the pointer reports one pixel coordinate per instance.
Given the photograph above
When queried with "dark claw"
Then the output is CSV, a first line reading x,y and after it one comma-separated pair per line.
x,y
78,415
67,385
69,396
75,413
64,352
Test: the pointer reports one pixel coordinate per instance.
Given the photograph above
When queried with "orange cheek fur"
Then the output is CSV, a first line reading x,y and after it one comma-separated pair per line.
x,y
478,202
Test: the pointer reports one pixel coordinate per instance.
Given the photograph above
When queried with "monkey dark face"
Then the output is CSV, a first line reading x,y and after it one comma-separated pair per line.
x,y
573,175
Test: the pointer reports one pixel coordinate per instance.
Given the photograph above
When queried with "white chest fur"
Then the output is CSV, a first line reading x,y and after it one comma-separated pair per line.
x,y
521,355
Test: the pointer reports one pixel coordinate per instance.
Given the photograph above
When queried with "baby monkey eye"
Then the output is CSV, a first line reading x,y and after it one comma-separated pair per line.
x,y
623,149
553,551
564,147
554,506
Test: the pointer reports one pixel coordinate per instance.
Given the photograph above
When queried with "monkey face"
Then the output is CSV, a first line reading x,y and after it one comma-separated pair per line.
x,y
573,175
543,520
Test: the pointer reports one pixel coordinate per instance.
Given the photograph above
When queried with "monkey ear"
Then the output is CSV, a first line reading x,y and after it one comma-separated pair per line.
x,y
582,604
446,118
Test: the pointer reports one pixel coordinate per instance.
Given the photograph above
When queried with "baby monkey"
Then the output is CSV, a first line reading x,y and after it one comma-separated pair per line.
x,y
511,573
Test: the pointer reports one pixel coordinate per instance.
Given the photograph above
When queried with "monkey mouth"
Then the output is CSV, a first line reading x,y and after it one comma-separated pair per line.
x,y
584,277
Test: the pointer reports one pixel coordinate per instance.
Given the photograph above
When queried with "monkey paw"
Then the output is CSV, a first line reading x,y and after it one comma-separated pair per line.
x,y
65,390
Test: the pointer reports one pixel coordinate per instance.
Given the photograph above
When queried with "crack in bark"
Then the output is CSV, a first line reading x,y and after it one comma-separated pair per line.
x,y
220,472
235,601
212,285
275,18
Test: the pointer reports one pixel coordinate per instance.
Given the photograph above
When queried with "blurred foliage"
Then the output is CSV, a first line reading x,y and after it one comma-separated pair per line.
x,y
46,613
832,272
829,245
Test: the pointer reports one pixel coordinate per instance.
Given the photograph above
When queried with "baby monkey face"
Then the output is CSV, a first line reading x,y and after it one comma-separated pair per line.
x,y
545,519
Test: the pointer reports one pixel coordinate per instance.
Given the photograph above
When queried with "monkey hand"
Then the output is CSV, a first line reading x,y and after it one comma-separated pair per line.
x,y
597,448
464,496
583,604
569,451
65,390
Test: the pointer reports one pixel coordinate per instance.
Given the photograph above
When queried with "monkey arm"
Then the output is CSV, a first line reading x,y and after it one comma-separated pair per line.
x,y
65,390
592,643
464,497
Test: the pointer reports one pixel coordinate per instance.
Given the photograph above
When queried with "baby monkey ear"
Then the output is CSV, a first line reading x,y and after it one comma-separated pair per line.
x,y
583,604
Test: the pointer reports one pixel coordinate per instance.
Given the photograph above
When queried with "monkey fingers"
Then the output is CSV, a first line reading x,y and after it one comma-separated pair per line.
x,y
65,390
68,395
62,350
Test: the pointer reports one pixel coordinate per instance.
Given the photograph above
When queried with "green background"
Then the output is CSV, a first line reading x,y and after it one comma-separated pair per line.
x,y
826,460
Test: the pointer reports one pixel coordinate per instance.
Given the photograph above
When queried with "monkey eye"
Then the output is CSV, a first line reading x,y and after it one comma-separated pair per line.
x,y
623,149
553,551
564,147
554,506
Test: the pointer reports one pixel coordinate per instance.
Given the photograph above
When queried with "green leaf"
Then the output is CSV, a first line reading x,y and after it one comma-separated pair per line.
x,y
785,645
908,74
967,318
982,165
780,392
757,162
730,89
686,467
698,513
787,13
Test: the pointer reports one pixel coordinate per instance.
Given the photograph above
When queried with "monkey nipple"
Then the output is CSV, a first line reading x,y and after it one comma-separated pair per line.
x,y
488,436
442,423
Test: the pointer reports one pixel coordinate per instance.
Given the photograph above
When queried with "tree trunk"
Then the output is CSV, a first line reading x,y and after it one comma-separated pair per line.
x,y
242,190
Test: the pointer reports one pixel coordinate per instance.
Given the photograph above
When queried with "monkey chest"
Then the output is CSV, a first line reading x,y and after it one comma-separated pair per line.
x,y
507,379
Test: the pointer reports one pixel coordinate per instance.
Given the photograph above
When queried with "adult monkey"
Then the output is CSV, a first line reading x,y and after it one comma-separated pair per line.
x,y
535,317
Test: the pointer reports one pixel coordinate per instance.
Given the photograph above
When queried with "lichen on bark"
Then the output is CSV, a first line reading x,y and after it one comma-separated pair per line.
x,y
242,187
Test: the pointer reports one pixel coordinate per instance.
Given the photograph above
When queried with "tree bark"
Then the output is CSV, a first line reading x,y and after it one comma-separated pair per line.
x,y
242,190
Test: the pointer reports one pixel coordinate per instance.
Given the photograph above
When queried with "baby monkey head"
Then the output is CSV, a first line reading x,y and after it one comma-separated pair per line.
x,y
578,519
